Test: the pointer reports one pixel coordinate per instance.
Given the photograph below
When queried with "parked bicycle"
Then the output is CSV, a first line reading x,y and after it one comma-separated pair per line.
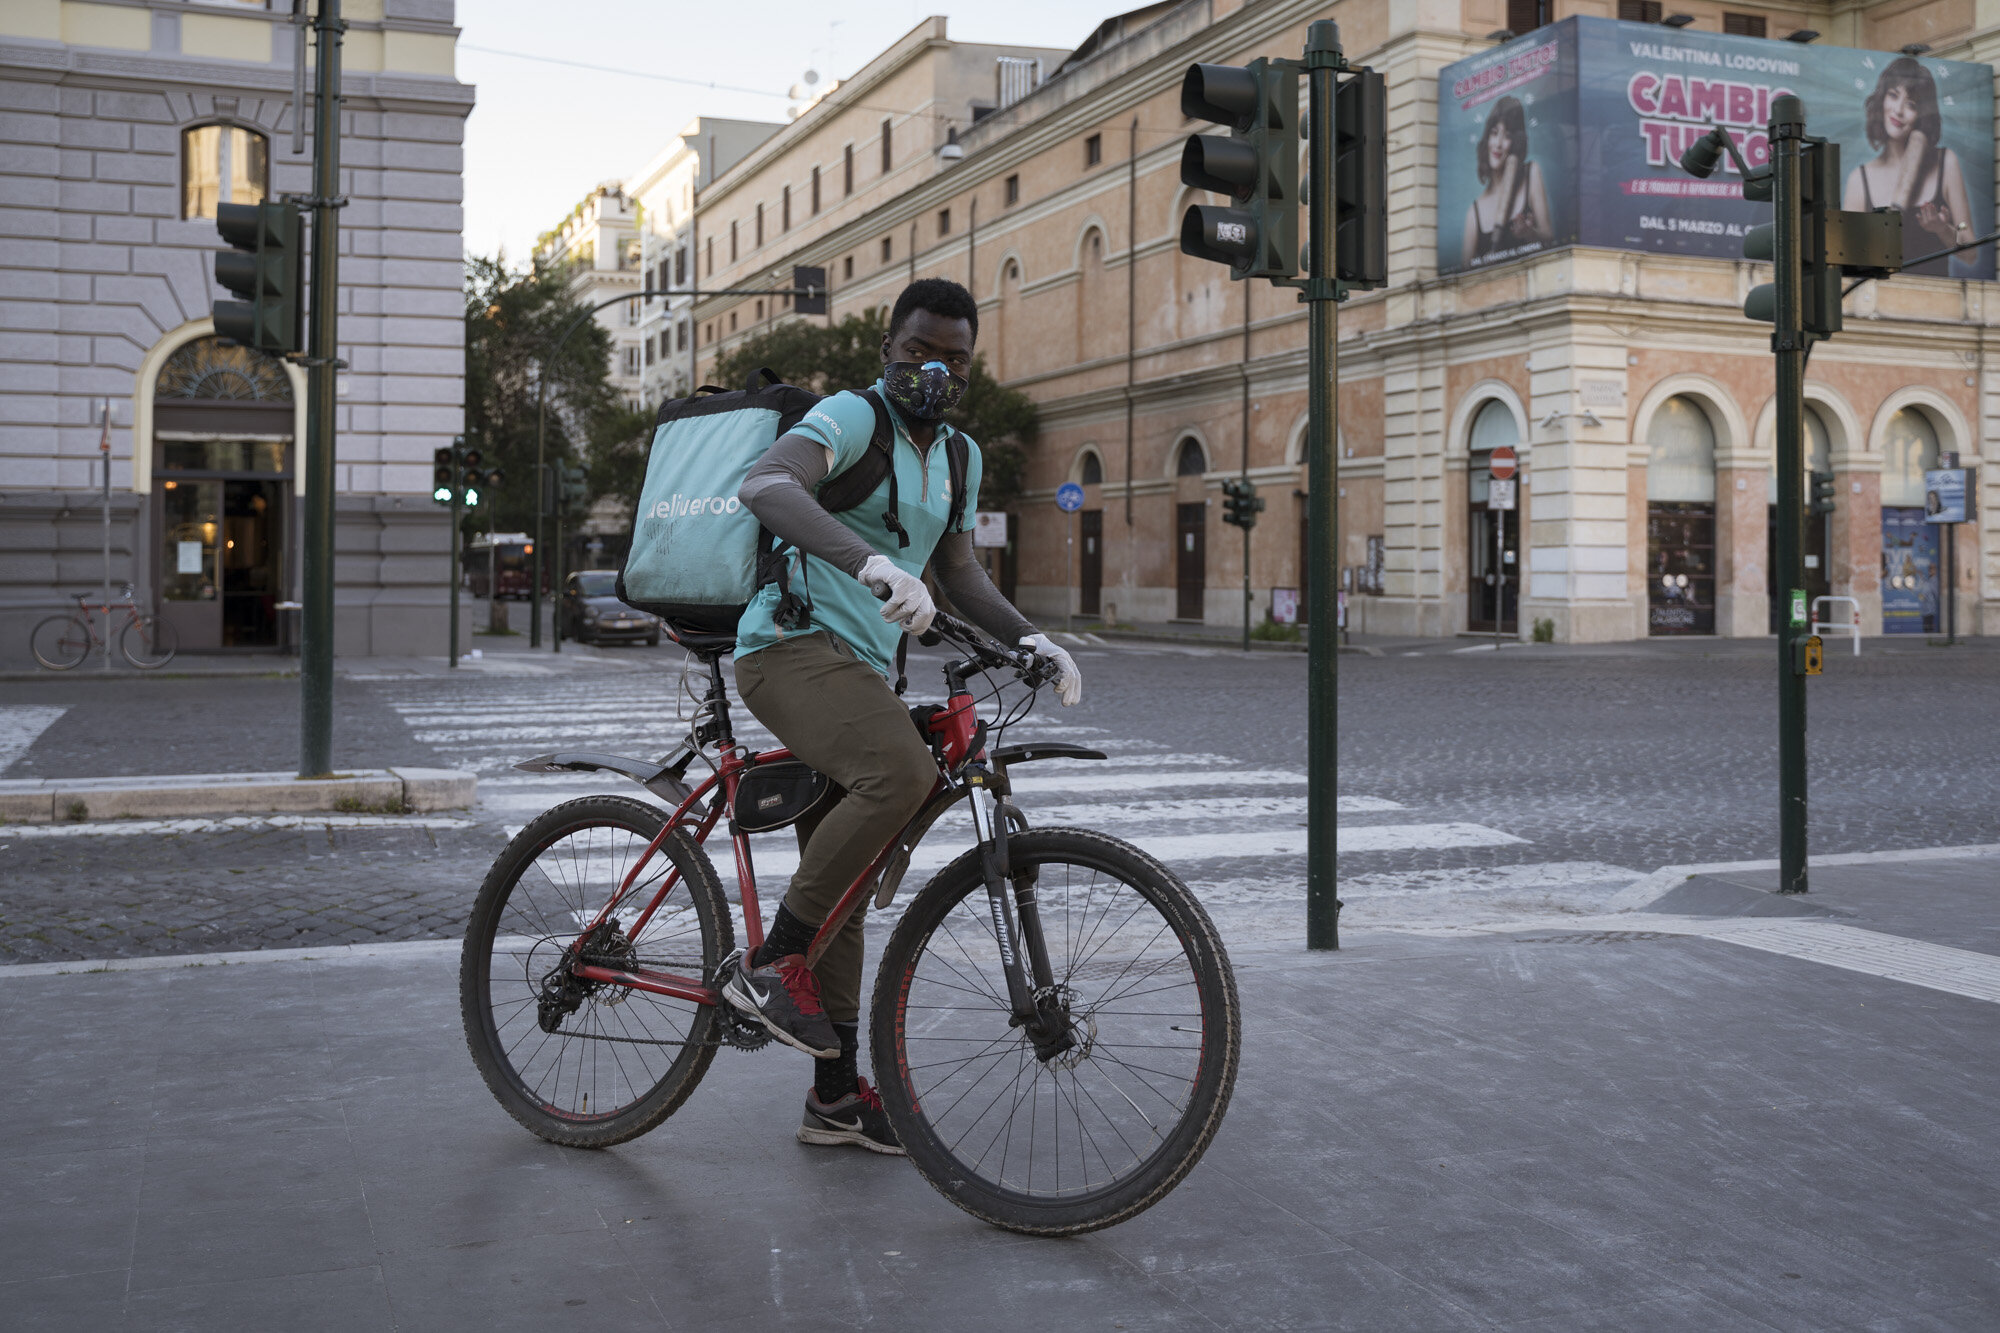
x,y
62,641
1055,1028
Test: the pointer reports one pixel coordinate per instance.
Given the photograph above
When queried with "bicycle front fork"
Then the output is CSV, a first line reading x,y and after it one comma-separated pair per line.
x,y
1038,1003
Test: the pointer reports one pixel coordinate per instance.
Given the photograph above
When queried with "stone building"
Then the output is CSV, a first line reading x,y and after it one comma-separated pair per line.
x,y
1628,380
125,124
599,245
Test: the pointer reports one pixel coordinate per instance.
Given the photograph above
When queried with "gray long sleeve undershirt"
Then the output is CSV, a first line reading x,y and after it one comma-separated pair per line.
x,y
780,491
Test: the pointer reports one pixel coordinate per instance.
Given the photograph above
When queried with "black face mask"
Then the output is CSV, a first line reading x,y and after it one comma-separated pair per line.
x,y
922,392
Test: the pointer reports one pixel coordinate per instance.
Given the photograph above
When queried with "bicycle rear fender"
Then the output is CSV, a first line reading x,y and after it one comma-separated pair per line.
x,y
654,777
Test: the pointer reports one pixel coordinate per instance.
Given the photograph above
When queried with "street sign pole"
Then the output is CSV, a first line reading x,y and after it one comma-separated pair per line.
x,y
1788,344
1322,61
316,620
457,512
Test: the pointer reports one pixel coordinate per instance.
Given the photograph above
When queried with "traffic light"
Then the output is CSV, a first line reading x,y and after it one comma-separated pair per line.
x,y
1822,492
469,475
1240,503
1257,166
1361,180
575,491
263,269
1834,245
443,470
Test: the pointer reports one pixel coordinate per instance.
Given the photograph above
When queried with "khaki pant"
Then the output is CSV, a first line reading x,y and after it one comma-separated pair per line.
x,y
838,715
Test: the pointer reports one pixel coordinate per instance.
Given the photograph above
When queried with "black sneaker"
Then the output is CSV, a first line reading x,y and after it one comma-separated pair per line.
x,y
857,1118
784,996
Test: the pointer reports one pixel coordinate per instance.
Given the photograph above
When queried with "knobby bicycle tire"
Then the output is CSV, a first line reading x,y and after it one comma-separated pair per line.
x,y
60,642
156,642
919,1013
611,1030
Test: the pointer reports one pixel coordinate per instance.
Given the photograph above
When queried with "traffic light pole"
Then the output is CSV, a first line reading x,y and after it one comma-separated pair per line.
x,y
457,513
316,621
1788,344
1322,61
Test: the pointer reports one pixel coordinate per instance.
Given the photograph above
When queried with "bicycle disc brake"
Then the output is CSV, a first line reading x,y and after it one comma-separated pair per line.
x,y
1060,1039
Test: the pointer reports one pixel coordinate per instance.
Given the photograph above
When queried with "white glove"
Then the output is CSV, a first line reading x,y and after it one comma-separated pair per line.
x,y
1069,681
909,601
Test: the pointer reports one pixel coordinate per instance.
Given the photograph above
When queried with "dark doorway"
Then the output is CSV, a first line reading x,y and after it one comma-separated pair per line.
x,y
1191,560
1494,580
1092,576
1680,567
253,515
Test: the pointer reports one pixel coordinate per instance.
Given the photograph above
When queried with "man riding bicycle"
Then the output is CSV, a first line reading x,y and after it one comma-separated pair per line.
x,y
823,691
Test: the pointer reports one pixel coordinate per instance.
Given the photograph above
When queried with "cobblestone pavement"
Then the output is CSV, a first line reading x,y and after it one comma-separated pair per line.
x,y
1523,784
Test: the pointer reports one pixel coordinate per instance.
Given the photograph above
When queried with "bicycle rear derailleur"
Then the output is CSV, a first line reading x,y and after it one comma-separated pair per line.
x,y
562,991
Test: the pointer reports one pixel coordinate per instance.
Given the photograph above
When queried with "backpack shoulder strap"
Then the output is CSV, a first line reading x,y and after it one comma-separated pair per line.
x,y
958,457
853,486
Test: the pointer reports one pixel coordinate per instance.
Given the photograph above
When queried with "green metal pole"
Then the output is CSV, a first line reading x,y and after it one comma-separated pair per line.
x,y
1788,344
457,500
541,504
1323,59
556,585
322,346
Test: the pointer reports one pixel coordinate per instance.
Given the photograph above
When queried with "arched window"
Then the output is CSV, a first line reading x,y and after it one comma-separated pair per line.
x,y
1682,466
1093,470
222,164
1909,449
1819,454
1492,427
1191,462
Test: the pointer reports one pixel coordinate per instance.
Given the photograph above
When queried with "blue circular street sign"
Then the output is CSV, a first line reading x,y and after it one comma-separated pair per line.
x,y
1069,497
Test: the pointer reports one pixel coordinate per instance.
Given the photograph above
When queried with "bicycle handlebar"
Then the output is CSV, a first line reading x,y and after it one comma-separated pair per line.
x,y
1034,670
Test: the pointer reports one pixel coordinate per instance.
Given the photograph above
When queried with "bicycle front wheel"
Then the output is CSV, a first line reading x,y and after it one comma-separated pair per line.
x,y
1056,1141
60,642
581,1063
148,642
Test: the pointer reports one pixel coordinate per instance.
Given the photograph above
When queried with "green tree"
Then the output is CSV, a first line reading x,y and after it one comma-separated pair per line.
x,y
512,316
848,355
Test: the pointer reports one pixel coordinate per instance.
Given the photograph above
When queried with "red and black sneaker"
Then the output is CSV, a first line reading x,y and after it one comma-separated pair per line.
x,y
857,1118
783,995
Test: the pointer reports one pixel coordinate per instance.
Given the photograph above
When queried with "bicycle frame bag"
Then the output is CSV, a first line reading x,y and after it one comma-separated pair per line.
x,y
779,794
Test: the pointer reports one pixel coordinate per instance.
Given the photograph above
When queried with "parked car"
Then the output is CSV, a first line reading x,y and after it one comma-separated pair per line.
x,y
590,611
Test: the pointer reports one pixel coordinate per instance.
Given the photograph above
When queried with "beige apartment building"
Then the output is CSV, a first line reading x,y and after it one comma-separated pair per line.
x,y
1627,379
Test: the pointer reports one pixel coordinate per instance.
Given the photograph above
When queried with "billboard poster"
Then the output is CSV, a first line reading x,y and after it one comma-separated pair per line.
x,y
1909,572
1596,114
1944,495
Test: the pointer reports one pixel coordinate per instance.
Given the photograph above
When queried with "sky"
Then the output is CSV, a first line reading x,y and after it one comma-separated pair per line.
x,y
544,134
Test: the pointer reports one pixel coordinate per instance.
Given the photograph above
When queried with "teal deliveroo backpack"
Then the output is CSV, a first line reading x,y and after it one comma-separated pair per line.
x,y
697,554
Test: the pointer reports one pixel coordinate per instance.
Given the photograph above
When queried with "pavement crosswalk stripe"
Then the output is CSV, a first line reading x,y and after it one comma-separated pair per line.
x,y
116,828
1095,780
1408,837
21,725
1935,966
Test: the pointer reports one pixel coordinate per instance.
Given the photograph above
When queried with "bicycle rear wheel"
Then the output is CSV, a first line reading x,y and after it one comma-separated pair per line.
x,y
148,642
580,1063
1081,1138
60,642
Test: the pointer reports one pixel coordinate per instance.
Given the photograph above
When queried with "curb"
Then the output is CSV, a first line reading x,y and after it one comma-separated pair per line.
x,y
1216,641
380,790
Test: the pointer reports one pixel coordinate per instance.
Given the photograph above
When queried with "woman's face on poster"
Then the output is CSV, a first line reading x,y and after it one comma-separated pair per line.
x,y
1499,143
1899,113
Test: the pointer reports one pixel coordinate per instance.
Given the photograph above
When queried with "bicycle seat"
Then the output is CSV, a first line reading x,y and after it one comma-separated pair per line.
x,y
706,645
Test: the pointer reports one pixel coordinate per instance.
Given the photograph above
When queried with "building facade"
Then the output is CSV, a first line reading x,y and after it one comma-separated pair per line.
x,y
1629,382
598,246
126,124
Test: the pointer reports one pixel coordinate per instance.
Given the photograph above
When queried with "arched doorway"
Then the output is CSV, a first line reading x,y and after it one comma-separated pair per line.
x,y
1492,576
1910,584
1190,532
1680,520
1818,527
222,494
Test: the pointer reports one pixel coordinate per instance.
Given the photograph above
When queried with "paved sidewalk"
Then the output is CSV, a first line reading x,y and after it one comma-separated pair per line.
x,y
1602,1128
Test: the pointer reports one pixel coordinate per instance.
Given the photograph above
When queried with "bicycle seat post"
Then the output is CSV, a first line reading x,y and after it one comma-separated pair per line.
x,y
718,698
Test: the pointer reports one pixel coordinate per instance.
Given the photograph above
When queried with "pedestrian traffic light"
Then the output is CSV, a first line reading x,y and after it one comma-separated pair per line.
x,y
1240,503
1257,166
469,474
1822,492
1361,180
263,269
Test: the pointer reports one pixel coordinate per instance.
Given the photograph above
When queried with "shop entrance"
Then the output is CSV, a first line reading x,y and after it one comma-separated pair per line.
x,y
222,495
1910,586
1191,560
1680,520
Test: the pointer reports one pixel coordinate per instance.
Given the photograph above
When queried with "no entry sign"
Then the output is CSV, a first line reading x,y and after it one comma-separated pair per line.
x,y
1502,463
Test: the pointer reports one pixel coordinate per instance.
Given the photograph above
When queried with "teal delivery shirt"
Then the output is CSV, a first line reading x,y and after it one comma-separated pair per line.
x,y
841,605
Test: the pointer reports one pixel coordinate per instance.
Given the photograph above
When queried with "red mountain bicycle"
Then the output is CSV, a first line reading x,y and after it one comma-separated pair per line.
x,y
1055,1028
